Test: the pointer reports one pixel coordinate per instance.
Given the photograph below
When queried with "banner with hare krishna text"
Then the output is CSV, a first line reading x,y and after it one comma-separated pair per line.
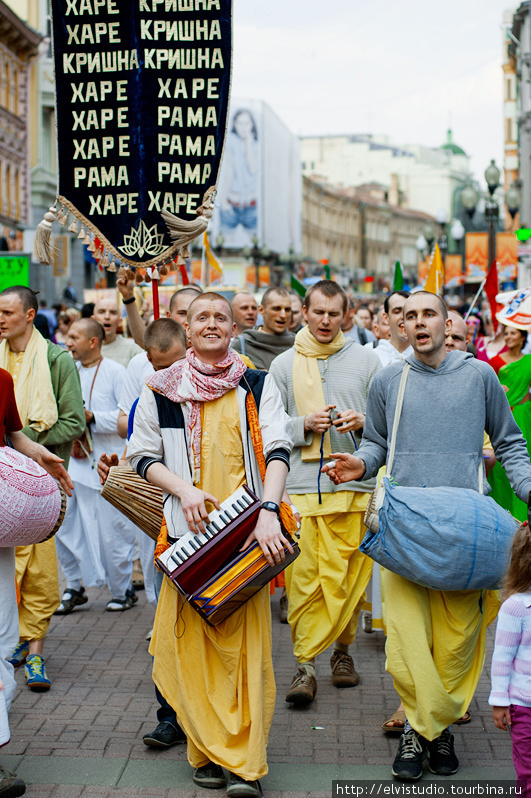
x,y
142,93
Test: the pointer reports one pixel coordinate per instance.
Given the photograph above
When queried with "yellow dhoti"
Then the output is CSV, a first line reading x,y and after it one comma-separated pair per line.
x,y
38,584
435,649
219,679
326,583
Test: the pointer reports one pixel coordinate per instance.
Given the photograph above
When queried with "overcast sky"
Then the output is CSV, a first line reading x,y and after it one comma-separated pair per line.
x,y
405,68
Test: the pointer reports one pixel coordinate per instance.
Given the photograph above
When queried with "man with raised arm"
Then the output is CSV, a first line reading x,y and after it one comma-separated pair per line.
x,y
450,400
194,436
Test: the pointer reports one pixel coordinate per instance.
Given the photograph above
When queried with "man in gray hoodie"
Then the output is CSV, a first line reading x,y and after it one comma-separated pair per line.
x,y
450,399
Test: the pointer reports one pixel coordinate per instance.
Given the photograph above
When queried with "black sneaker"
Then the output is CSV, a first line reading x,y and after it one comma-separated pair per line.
x,y
10,785
240,788
210,776
409,757
441,755
165,735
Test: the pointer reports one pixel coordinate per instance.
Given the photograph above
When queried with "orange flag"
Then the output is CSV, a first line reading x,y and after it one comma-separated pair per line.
x,y
435,281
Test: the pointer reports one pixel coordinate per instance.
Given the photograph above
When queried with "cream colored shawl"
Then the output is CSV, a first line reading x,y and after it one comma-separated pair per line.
x,y
34,394
308,385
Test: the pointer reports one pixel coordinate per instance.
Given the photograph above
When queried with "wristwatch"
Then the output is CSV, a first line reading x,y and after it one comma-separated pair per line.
x,y
271,506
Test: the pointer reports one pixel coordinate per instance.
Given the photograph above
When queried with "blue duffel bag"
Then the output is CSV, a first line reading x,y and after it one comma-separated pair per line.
x,y
442,538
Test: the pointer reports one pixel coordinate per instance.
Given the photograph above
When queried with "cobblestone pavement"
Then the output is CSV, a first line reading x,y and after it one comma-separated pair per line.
x,y
83,739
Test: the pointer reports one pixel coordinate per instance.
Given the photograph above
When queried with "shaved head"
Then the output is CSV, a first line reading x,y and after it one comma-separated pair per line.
x,y
90,328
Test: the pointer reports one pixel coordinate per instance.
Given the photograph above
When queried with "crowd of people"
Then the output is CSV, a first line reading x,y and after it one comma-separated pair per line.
x,y
295,398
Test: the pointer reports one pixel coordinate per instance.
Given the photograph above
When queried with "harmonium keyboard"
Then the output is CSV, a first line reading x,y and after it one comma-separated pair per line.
x,y
210,571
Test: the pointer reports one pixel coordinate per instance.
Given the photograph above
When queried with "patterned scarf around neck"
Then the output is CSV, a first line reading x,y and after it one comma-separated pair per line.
x,y
190,382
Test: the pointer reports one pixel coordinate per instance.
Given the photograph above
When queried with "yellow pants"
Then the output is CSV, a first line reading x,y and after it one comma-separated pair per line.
x,y
435,649
326,583
218,679
38,584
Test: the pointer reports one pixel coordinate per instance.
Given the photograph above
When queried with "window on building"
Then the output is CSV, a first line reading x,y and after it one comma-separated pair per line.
x,y
48,139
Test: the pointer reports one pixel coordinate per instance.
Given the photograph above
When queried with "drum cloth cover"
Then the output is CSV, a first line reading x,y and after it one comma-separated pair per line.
x,y
30,500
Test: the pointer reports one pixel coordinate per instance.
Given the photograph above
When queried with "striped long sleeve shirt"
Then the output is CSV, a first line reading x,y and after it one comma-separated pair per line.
x,y
511,659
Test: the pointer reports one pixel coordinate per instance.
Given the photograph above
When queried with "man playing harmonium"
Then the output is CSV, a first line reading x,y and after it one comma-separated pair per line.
x,y
196,436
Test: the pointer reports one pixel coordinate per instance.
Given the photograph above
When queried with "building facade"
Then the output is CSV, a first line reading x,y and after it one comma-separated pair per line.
x,y
426,178
360,231
19,47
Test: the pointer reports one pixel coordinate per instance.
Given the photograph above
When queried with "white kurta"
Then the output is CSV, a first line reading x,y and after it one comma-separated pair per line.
x,y
95,543
138,370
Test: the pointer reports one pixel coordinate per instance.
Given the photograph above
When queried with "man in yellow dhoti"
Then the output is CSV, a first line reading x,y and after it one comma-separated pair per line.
x,y
192,438
50,404
450,400
324,372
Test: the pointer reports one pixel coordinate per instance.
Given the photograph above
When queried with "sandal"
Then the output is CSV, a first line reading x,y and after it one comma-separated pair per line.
x,y
396,723
71,598
467,717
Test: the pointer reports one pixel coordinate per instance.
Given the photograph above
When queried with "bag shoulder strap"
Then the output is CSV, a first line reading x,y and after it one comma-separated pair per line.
x,y
398,411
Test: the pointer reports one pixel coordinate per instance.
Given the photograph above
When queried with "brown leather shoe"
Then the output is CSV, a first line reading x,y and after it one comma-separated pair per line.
x,y
303,688
343,672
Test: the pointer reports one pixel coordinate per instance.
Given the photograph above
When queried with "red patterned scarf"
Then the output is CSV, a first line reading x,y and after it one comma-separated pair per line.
x,y
190,381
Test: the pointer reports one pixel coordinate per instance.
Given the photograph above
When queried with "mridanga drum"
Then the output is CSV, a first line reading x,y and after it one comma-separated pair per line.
x,y
137,499
32,503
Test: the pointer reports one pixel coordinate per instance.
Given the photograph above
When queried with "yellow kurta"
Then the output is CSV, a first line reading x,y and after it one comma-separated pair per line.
x,y
219,679
435,649
326,583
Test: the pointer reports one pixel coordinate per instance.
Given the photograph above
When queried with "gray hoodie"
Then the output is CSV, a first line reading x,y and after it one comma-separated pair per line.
x,y
440,433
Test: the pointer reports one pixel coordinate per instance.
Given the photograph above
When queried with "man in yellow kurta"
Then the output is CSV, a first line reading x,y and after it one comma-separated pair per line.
x,y
192,438
325,372
50,404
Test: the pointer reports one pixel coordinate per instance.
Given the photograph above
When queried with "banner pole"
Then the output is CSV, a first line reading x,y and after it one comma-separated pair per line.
x,y
472,306
156,306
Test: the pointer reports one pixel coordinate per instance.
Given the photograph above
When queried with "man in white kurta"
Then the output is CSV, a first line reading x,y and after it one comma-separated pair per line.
x,y
95,544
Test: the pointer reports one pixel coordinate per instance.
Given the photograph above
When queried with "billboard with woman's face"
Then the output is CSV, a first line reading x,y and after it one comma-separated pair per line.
x,y
239,195
260,186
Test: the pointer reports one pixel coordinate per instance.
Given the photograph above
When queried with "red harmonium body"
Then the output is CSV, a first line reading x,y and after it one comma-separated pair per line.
x,y
210,571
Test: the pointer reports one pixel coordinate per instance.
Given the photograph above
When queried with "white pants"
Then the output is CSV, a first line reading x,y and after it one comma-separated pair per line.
x,y
147,552
95,543
8,636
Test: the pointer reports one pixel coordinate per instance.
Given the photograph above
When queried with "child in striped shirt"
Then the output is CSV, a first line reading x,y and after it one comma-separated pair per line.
x,y
510,696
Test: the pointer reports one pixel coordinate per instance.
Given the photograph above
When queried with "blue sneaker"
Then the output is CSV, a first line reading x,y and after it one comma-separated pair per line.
x,y
35,673
18,657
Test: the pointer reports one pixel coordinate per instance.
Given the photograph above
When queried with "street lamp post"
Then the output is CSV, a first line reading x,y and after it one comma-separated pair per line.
x,y
492,178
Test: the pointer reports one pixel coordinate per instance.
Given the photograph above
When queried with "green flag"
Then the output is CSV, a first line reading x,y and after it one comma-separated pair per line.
x,y
399,279
298,287
327,271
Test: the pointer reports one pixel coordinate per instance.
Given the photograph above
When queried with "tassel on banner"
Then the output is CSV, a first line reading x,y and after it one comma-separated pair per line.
x,y
138,277
185,252
122,274
91,246
81,235
105,262
87,240
62,218
73,227
147,277
184,232
43,236
163,270
155,274
129,273
111,267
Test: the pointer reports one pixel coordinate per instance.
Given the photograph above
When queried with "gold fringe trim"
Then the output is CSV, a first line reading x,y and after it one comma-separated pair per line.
x,y
184,232
43,236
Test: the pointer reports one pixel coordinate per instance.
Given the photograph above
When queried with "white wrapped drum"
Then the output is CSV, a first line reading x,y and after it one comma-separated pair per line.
x,y
32,503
